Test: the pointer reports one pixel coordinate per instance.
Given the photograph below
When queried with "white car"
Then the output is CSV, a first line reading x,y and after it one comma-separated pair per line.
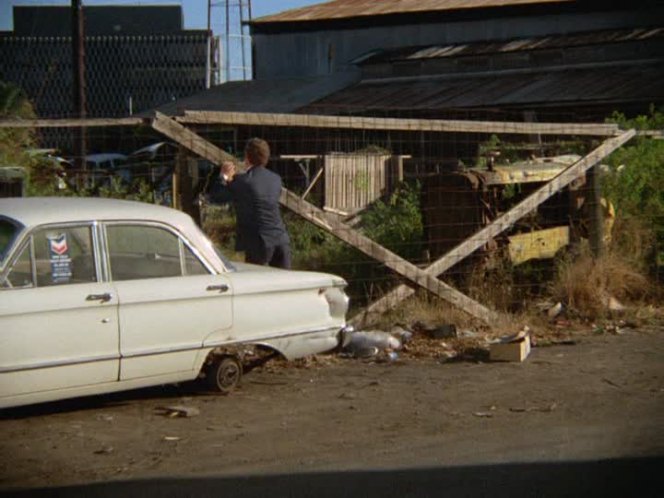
x,y
101,295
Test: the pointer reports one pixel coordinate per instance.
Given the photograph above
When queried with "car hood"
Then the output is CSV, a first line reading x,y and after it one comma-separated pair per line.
x,y
255,278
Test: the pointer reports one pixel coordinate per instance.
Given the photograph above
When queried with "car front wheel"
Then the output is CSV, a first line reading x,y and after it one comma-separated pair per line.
x,y
224,374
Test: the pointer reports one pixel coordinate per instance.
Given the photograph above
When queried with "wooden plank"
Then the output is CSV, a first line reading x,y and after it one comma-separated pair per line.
x,y
70,123
371,123
187,138
311,213
308,211
502,223
313,182
396,263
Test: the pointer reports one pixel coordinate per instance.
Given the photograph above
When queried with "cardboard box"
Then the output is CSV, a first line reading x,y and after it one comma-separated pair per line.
x,y
510,349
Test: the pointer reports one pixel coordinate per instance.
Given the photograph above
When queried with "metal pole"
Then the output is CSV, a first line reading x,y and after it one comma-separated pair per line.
x,y
78,79
228,41
242,40
208,49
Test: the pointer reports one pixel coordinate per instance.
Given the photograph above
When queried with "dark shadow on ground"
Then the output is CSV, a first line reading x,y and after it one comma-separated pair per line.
x,y
640,477
192,388
167,391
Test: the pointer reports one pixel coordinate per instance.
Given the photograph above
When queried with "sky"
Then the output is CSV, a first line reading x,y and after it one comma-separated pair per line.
x,y
195,11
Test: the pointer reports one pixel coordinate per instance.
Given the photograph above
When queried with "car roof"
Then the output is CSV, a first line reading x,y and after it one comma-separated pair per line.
x,y
104,156
31,211
151,149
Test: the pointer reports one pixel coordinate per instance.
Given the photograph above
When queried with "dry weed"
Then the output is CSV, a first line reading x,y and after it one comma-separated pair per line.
x,y
425,308
585,285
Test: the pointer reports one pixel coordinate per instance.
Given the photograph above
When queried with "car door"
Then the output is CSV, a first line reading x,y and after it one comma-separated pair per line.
x,y
58,321
169,299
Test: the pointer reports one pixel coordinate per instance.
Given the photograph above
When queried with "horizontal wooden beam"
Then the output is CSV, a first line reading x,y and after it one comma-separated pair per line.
x,y
71,123
371,123
353,122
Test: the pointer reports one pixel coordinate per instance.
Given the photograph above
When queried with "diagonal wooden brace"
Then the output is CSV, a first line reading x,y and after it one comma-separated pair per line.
x,y
499,225
214,154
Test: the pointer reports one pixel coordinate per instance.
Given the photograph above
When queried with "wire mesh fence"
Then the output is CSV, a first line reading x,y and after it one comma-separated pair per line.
x,y
479,213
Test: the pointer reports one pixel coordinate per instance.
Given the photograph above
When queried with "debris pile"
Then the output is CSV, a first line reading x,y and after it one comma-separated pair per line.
x,y
377,344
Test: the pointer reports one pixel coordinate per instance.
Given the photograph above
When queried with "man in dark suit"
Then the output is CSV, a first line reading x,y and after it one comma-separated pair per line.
x,y
261,232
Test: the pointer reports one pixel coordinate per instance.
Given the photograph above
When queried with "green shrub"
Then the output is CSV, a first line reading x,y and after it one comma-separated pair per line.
x,y
635,181
14,142
395,223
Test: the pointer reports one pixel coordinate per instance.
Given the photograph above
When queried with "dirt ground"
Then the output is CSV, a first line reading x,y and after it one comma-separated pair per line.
x,y
598,397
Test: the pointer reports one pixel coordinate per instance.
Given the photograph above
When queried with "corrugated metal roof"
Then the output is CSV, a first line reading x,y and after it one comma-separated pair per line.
x,y
636,83
523,44
280,95
344,9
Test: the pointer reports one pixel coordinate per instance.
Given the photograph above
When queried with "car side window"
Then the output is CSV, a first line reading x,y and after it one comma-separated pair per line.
x,y
64,255
193,265
138,252
20,273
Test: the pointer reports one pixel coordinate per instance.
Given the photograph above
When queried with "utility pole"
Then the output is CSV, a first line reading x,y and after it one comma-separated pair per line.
x,y
78,79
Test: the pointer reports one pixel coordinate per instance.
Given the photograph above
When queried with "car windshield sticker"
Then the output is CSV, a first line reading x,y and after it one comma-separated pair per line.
x,y
60,260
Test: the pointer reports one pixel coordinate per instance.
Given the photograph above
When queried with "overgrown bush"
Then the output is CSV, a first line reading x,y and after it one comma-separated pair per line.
x,y
395,223
15,142
635,184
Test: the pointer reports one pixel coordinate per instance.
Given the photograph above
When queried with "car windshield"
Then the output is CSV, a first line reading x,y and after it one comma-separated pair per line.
x,y
8,231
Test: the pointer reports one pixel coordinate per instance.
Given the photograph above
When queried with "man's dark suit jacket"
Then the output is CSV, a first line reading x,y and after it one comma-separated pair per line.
x,y
255,195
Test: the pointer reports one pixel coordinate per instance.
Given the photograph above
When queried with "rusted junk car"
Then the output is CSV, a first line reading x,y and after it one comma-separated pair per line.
x,y
457,204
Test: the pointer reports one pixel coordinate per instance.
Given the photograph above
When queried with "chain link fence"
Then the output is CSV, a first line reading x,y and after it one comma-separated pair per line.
x,y
398,196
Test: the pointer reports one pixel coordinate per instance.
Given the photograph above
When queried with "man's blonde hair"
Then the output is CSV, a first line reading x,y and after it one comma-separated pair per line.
x,y
257,152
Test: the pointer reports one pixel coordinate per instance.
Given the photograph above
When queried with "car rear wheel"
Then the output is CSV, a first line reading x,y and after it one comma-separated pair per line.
x,y
224,374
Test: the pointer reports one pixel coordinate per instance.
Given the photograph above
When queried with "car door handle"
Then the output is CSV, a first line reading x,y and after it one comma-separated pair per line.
x,y
220,288
104,298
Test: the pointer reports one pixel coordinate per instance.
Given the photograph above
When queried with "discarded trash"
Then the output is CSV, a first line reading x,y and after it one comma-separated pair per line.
x,y
404,335
389,356
467,333
555,310
613,304
364,352
370,343
483,414
178,411
171,438
445,331
448,355
511,348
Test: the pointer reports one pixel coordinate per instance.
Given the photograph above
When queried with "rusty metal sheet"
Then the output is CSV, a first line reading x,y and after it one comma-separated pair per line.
x,y
600,37
538,244
640,82
345,9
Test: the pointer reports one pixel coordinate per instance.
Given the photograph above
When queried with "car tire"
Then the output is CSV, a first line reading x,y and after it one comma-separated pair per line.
x,y
224,374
